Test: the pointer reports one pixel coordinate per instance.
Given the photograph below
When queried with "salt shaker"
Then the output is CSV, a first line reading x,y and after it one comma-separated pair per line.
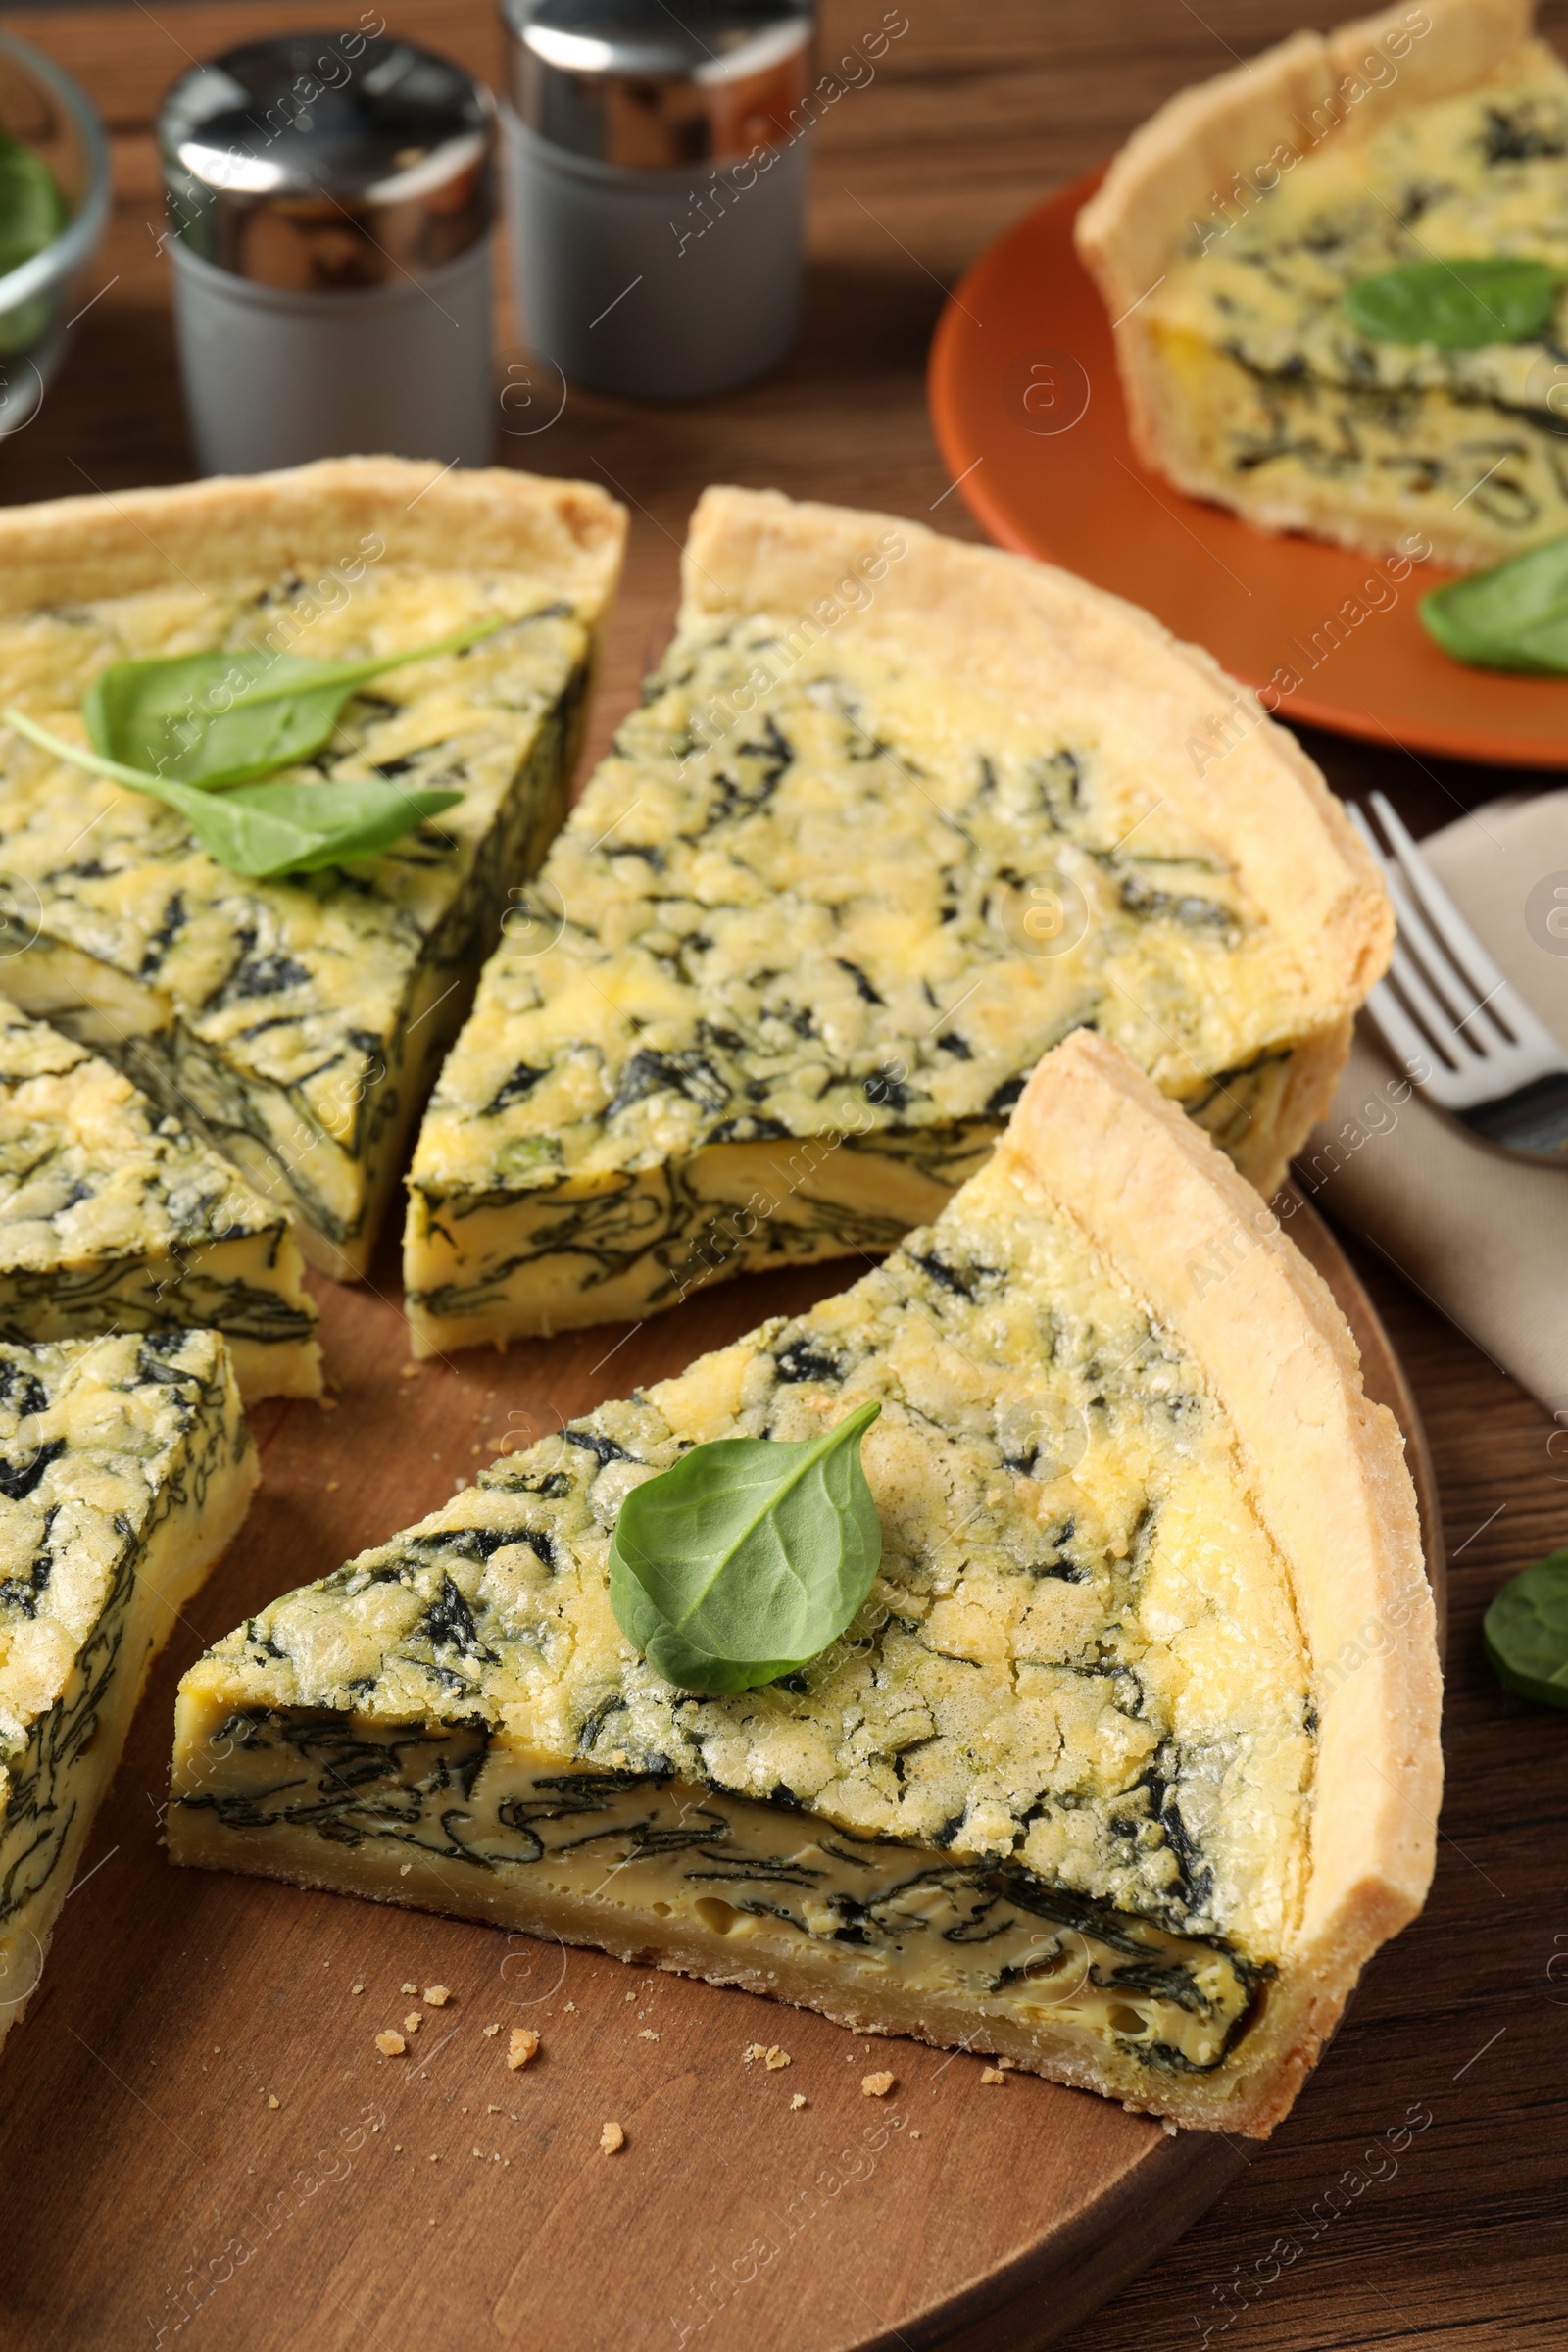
x,y
656,187
332,199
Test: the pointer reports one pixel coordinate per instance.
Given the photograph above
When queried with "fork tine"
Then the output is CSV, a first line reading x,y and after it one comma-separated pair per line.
x,y
1363,825
1400,1035
1463,946
1358,819
1445,1041
1493,989
1426,950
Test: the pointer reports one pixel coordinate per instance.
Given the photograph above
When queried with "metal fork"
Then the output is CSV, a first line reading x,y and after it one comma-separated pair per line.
x,y
1463,1032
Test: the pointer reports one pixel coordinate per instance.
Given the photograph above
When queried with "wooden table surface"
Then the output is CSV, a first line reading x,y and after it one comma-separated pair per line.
x,y
1461,2029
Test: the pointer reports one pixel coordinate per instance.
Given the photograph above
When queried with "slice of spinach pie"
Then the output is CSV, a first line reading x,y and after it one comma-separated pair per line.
x,y
125,1468
116,1216
300,1018
1337,278
896,816
1084,1782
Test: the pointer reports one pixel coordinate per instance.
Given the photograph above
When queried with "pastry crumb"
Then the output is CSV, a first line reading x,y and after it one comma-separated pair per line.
x,y
524,2045
876,2086
610,2138
410,1372
436,1996
571,2005
410,1988
648,2035
492,2110
412,2022
799,2100
1170,2128
914,2135
992,2073
490,2032
356,1988
1006,2065
391,2045
275,2102
631,1997
404,1869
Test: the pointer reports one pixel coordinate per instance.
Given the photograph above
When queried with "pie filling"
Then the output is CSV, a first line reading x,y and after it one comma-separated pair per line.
x,y
248,1289
614,1858
781,981
1278,394
300,1021
532,1262
115,1218
1398,449
126,1468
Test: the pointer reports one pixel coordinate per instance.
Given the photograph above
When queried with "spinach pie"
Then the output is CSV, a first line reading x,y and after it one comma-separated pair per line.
x,y
125,1469
1091,1780
895,817
115,1216
300,1019
1237,233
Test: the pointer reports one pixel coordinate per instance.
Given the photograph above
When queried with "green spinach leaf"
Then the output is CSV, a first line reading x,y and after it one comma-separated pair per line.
x,y
32,214
1525,1632
747,1557
263,830
1458,305
228,717
1513,616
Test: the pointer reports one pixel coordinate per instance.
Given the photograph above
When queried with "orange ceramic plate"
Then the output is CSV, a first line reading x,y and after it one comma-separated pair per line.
x,y
1028,413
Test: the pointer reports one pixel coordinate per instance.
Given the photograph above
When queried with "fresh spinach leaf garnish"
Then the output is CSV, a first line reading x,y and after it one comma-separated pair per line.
x,y
1525,1632
197,730
1513,616
267,829
748,1557
228,717
32,214
1459,305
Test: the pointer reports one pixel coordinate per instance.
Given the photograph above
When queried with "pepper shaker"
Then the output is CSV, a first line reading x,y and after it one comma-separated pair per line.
x,y
656,187
331,197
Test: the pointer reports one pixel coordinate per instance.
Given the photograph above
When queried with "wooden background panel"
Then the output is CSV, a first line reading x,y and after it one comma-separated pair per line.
x,y
980,109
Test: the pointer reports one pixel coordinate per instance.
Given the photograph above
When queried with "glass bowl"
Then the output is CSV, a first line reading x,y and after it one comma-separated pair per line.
x,y
44,108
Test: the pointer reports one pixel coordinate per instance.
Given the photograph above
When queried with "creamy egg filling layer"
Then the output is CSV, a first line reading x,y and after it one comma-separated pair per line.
x,y
1076,1700
115,1216
126,1467
1280,394
300,1021
611,1858
782,978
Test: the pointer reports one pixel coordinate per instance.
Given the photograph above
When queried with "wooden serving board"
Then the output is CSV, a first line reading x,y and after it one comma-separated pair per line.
x,y
203,2146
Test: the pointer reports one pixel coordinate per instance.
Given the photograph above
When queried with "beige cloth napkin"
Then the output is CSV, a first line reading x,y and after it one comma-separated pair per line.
x,y
1484,1235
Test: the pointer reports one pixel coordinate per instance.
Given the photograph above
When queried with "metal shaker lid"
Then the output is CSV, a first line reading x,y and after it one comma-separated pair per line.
x,y
331,161
631,83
